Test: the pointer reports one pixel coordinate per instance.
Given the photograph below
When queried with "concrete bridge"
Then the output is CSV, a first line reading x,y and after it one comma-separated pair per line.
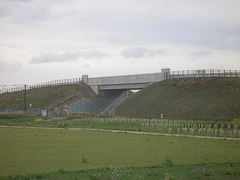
x,y
114,85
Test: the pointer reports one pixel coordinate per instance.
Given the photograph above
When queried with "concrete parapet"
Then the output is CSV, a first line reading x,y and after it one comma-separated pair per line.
x,y
85,79
129,79
127,82
165,72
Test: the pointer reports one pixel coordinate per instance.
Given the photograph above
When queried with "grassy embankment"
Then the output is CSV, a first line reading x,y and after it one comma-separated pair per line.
x,y
39,151
38,97
210,99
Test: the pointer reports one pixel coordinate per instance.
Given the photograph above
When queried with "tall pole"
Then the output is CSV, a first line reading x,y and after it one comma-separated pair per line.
x,y
24,98
7,107
41,98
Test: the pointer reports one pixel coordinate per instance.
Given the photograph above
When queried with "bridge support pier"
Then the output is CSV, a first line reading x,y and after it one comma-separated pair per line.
x,y
95,89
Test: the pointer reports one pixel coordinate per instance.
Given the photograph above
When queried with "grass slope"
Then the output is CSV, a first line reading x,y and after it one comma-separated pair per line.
x,y
39,96
24,151
215,98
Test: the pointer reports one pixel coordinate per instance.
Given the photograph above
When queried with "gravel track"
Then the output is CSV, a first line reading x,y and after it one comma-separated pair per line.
x,y
129,132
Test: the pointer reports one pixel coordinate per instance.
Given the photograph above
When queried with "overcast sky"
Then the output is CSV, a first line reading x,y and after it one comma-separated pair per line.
x,y
44,40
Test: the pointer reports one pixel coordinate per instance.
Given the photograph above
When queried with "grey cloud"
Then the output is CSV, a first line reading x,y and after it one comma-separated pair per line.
x,y
66,56
86,66
184,22
231,43
54,57
20,0
139,52
199,54
24,12
133,52
30,12
29,18
9,67
92,54
5,10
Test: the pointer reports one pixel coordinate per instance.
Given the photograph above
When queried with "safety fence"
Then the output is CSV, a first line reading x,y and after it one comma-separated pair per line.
x,y
20,109
69,96
111,107
210,73
184,74
21,87
179,127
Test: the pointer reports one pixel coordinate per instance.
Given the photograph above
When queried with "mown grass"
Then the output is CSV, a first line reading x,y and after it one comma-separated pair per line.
x,y
214,98
27,151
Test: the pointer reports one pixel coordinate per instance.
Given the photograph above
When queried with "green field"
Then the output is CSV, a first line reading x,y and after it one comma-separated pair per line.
x,y
24,151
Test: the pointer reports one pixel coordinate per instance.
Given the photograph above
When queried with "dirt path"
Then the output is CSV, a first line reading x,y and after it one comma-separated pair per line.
x,y
129,132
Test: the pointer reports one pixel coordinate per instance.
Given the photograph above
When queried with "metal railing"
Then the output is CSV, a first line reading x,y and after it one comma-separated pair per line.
x,y
173,75
116,103
41,85
68,97
210,73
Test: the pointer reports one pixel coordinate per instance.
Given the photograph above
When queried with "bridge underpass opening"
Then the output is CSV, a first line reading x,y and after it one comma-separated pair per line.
x,y
115,92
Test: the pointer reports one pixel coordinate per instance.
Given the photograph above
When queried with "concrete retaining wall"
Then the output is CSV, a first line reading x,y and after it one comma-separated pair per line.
x,y
93,105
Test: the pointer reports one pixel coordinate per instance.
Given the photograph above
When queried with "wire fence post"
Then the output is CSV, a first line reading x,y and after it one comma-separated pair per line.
x,y
166,176
24,100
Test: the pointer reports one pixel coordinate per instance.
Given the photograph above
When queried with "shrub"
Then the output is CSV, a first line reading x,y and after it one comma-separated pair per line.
x,y
17,115
38,120
60,171
168,162
64,125
84,159
6,116
227,172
